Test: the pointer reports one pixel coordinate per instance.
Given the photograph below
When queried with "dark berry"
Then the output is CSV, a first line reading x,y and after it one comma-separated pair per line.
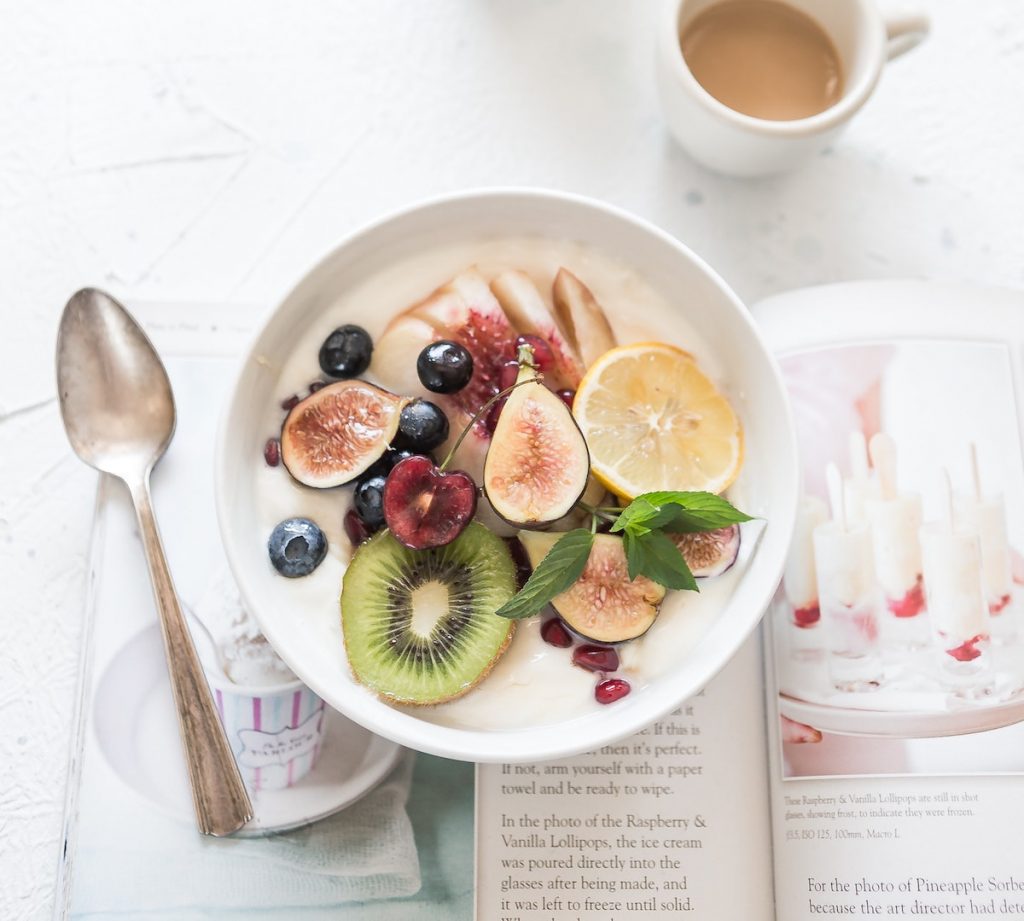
x,y
611,690
346,352
522,561
356,528
444,366
368,500
387,461
296,546
317,385
508,374
567,396
272,452
596,658
422,426
543,357
554,633
291,402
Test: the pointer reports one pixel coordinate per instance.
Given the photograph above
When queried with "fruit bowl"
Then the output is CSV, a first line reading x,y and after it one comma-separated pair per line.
x,y
432,241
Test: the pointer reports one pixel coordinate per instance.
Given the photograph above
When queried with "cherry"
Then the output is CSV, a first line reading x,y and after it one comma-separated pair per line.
x,y
554,634
272,452
567,396
807,616
543,357
426,507
356,529
596,658
290,402
611,690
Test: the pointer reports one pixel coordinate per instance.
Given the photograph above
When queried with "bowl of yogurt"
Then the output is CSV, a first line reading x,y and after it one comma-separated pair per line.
x,y
534,703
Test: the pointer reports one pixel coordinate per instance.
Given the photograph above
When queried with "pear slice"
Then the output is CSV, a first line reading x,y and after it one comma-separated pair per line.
x,y
581,316
537,464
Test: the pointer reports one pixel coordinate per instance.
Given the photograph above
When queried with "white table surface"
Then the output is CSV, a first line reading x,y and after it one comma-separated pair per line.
x,y
189,151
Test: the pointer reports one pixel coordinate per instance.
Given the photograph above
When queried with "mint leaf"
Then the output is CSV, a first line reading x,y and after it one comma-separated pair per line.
x,y
681,512
656,556
562,566
641,516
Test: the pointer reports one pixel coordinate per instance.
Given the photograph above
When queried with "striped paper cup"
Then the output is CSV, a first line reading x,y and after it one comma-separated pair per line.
x,y
276,733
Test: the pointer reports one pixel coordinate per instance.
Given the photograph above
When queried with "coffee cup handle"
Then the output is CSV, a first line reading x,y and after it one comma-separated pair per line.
x,y
905,32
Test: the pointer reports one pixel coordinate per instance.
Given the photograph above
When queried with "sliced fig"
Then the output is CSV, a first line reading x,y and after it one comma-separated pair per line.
x,y
603,605
709,553
581,317
339,431
537,464
525,308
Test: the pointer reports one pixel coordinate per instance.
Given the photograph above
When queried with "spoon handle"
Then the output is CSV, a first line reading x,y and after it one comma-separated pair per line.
x,y
218,794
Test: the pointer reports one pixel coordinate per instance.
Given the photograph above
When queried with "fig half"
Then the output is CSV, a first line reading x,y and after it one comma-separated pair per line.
x,y
709,553
537,464
336,433
603,605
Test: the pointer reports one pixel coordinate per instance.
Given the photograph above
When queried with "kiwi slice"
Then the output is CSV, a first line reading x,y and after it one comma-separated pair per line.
x,y
419,625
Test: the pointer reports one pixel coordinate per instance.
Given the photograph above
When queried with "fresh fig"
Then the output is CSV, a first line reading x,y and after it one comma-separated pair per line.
x,y
537,464
603,605
339,431
581,317
709,553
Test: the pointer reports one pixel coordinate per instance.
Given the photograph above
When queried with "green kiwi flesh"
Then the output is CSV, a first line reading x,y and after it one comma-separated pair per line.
x,y
419,625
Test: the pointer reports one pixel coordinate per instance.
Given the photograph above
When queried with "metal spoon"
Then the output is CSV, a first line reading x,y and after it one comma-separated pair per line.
x,y
118,411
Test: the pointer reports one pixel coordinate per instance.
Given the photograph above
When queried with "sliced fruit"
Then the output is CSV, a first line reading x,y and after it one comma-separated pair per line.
x,y
419,626
425,506
581,318
603,605
525,308
537,464
335,434
653,420
709,553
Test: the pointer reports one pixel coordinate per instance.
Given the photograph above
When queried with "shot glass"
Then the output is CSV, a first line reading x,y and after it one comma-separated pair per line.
x,y
988,517
849,607
957,607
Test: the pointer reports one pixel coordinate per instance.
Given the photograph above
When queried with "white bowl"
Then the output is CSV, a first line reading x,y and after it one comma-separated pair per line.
x,y
768,485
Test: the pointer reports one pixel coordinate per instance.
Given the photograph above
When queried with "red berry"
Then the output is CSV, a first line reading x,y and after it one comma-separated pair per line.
x,y
291,402
611,690
554,634
807,616
567,396
596,658
356,528
543,357
272,452
317,385
491,419
507,374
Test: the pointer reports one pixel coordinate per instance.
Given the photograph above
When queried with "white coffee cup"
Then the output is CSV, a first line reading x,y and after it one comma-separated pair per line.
x,y
730,142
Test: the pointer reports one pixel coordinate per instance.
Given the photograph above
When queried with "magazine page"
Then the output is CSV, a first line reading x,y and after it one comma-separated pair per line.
x,y
897,639
658,825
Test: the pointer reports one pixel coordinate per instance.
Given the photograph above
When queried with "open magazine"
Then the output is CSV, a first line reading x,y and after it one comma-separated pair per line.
x,y
862,754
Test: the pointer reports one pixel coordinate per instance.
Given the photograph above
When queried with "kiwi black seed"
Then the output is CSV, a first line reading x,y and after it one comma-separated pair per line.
x,y
419,625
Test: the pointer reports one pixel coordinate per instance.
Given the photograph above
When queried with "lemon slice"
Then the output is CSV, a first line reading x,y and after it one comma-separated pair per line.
x,y
653,420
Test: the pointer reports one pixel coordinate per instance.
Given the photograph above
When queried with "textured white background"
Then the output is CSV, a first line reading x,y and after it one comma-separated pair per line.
x,y
209,151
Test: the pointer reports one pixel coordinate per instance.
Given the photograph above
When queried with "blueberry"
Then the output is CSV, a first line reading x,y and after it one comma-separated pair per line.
x,y
346,352
296,546
368,500
422,426
444,366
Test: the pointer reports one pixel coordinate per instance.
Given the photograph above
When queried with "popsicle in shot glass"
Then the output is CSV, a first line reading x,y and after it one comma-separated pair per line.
x,y
846,590
860,486
895,519
800,582
951,552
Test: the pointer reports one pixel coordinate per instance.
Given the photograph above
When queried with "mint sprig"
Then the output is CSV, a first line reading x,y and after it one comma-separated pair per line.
x,y
645,525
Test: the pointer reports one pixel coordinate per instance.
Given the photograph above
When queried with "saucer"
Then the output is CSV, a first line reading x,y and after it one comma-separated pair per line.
x,y
136,727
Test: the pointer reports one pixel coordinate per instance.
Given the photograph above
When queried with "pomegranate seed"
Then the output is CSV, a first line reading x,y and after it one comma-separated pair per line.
x,y
507,374
291,402
355,527
272,452
317,385
611,690
808,616
596,658
491,421
554,634
567,396
543,357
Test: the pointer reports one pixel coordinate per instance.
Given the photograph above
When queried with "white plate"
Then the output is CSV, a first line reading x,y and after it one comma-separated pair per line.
x,y
136,728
